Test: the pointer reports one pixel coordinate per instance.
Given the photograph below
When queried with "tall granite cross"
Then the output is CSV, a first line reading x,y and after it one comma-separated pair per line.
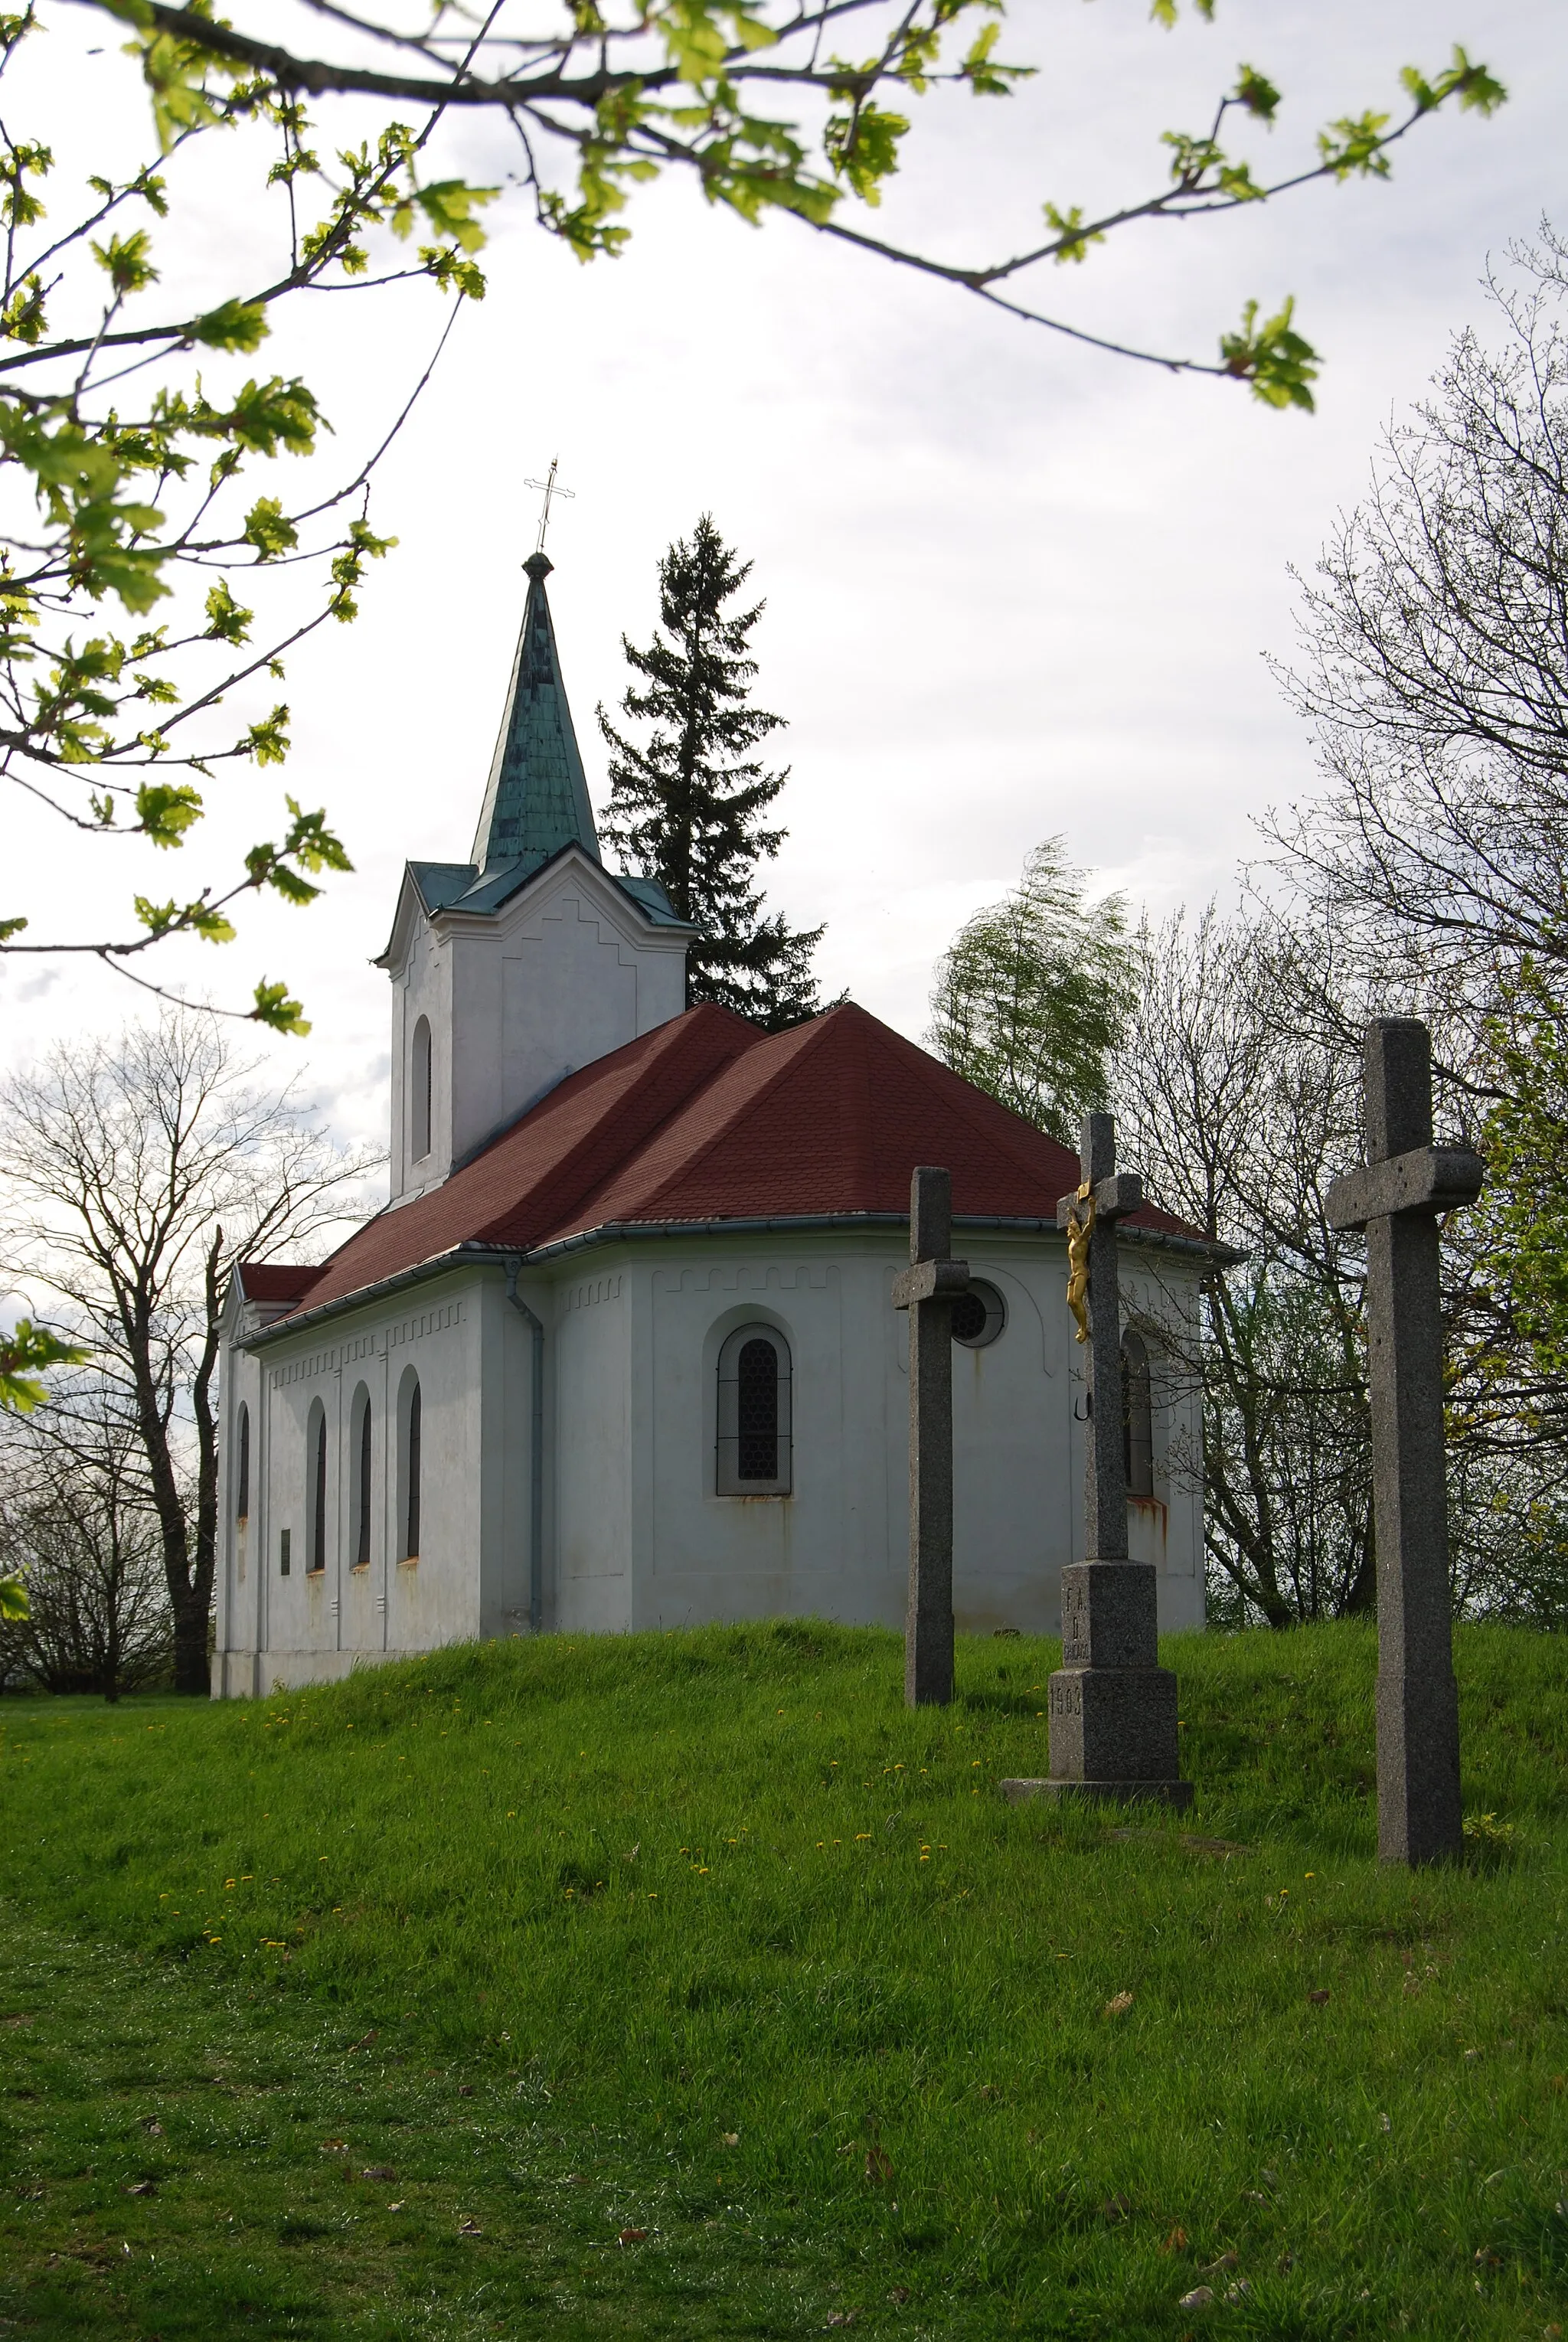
x,y
1111,1705
928,1289
1396,1196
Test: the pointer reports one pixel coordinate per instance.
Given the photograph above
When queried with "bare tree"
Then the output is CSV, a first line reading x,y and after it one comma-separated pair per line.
x,y
1238,1117
1240,1091
133,1174
75,1526
1435,672
1435,676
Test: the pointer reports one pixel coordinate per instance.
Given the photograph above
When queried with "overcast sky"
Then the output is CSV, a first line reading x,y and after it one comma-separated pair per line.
x,y
1013,587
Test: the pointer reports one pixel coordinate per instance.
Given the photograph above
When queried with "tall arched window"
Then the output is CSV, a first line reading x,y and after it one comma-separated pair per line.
x,y
1137,1416
755,1445
419,1092
315,1486
359,1482
243,1473
410,1413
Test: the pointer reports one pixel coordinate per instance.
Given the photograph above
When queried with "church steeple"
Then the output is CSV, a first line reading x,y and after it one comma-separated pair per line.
x,y
538,797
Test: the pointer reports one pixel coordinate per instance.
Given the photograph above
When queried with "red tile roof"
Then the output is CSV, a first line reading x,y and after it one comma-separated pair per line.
x,y
709,1118
276,1280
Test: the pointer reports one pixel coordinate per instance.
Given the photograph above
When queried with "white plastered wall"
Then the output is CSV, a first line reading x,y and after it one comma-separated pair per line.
x,y
470,1351
239,1575
597,1445
564,973
421,986
648,1542
634,1535
1160,1294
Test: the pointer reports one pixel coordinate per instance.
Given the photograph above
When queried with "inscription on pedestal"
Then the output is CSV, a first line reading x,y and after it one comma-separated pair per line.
x,y
1074,1617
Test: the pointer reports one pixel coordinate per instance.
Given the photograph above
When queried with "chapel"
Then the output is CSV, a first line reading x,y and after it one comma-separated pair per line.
x,y
620,1350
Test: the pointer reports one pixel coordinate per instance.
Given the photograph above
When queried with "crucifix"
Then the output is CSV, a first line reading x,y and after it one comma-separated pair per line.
x,y
551,488
1397,1195
1111,1705
928,1288
1105,1197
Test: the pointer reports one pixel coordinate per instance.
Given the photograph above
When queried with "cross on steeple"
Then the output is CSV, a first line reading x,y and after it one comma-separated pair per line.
x,y
551,488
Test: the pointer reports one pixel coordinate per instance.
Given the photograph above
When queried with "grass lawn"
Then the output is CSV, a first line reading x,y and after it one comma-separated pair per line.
x,y
705,1943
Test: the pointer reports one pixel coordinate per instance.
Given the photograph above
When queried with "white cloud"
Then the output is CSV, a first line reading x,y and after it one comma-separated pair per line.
x,y
1014,587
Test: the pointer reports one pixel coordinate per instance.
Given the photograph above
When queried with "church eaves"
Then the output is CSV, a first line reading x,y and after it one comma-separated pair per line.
x,y
708,1122
537,798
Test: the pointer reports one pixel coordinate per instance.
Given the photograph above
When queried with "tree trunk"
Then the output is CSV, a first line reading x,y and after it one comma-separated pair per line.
x,y
1360,1602
189,1597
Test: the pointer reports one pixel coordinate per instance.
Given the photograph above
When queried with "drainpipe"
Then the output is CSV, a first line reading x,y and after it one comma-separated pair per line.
x,y
536,1454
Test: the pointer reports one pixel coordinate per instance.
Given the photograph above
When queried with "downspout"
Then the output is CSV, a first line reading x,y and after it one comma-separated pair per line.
x,y
536,1455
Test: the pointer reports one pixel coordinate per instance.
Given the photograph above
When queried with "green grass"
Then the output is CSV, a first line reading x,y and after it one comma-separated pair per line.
x,y
729,1947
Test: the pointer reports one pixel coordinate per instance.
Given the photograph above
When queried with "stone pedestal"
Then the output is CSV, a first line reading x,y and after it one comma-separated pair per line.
x,y
1111,1705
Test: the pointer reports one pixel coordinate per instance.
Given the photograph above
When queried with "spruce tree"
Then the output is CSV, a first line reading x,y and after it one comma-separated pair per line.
x,y
687,803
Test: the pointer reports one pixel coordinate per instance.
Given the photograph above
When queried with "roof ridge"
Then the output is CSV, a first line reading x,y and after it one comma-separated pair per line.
x,y
551,1193
811,1028
965,1094
969,1093
705,1120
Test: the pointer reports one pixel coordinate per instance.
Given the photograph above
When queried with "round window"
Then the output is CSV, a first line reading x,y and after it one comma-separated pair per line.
x,y
978,1316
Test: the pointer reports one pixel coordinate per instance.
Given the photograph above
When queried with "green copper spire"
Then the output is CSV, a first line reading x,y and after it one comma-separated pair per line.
x,y
537,800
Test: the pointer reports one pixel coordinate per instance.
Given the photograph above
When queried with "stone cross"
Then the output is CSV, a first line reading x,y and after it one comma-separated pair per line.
x,y
1111,1705
928,1289
1105,1197
1396,1196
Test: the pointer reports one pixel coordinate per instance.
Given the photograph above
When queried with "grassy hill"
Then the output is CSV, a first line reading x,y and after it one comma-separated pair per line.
x,y
705,1940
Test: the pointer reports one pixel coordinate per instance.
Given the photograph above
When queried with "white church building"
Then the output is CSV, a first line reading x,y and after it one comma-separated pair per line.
x,y
620,1351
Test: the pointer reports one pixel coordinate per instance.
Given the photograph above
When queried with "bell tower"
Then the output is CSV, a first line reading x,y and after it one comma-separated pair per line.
x,y
513,969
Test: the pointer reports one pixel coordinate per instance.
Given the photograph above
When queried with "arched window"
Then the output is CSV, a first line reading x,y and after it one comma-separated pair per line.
x,y
243,1475
1137,1416
359,1480
315,1486
754,1447
419,1092
410,1410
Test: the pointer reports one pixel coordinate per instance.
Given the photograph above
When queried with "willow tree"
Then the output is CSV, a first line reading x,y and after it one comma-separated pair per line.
x,y
1034,995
